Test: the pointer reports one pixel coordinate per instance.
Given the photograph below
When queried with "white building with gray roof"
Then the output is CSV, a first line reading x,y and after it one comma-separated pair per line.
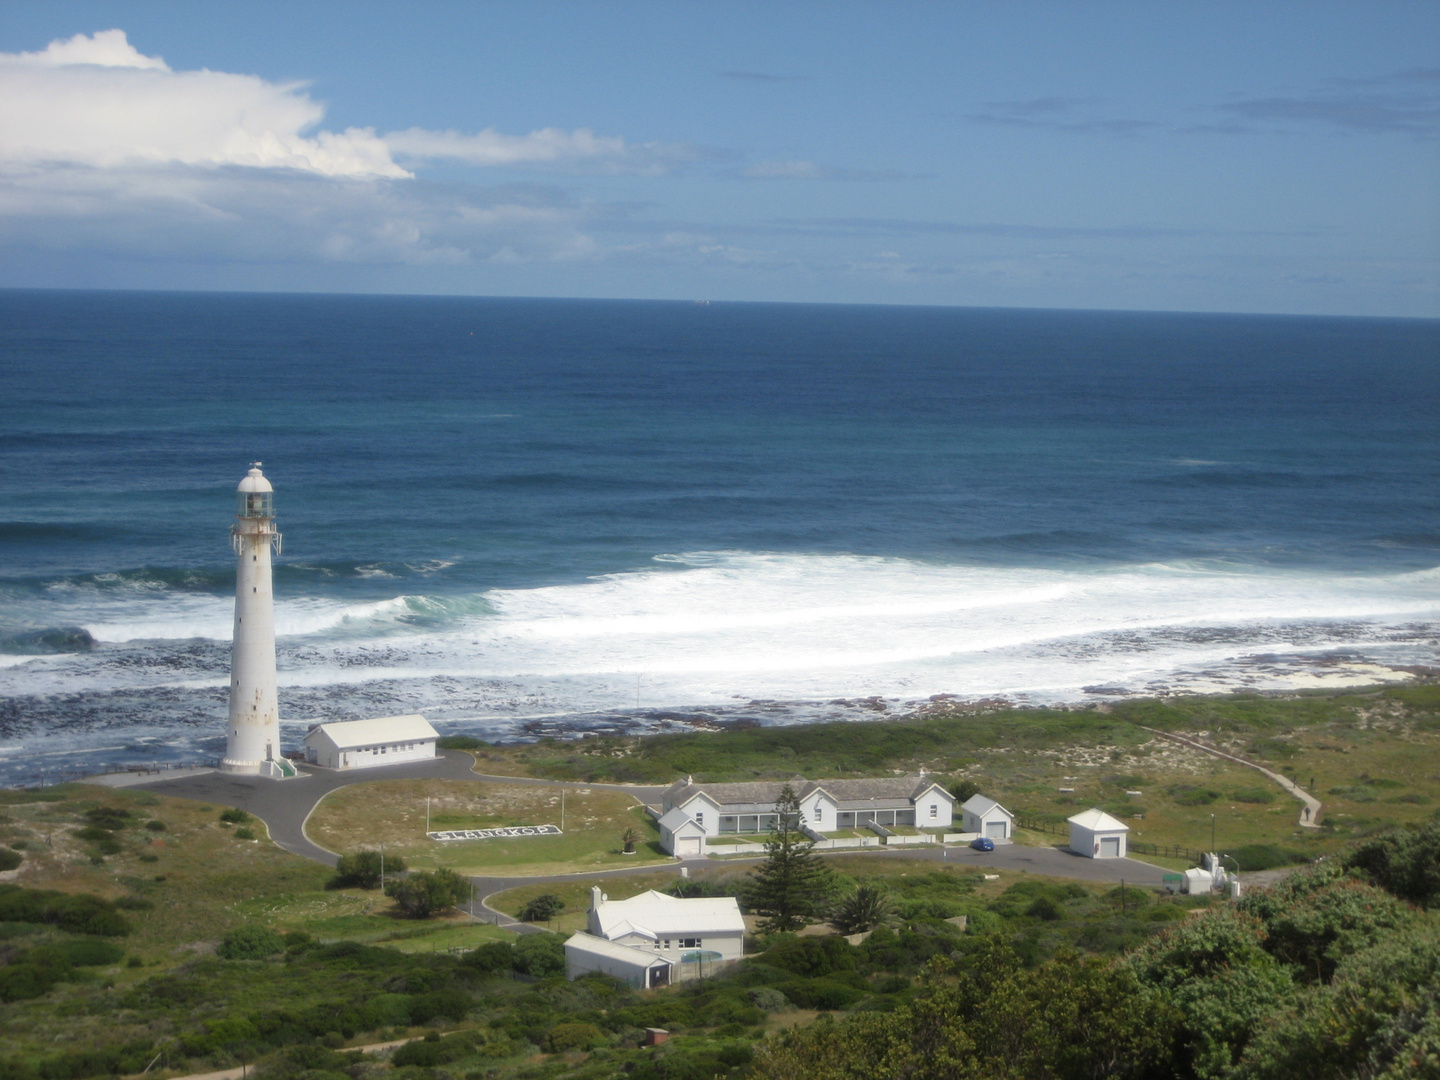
x,y
984,816
654,938
825,805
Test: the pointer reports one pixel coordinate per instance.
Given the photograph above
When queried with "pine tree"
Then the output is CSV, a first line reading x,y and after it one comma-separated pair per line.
x,y
793,885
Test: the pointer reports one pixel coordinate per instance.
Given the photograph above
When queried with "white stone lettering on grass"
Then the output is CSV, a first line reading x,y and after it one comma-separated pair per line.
x,y
492,834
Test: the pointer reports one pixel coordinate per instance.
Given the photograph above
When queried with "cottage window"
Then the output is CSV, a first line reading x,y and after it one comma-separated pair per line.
x,y
690,943
934,810
700,818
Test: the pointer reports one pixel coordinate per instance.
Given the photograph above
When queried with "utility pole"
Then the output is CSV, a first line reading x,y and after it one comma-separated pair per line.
x,y
382,869
562,809
427,817
1212,832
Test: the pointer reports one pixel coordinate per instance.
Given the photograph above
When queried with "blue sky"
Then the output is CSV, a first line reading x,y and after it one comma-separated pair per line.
x,y
1220,157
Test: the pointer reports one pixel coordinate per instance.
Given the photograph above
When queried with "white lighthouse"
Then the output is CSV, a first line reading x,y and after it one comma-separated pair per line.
x,y
253,735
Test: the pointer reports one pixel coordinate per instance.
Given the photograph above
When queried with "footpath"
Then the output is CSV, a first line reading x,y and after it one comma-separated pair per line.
x,y
1310,812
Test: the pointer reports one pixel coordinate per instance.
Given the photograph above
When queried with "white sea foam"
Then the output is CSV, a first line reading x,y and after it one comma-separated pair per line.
x,y
712,627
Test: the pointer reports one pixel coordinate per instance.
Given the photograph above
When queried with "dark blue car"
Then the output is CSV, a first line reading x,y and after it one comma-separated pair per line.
x,y
982,843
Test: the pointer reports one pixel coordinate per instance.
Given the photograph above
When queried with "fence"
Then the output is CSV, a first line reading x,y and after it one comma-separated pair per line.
x,y
50,777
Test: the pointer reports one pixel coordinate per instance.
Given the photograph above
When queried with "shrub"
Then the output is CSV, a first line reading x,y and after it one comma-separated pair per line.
x,y
108,817
244,834
234,816
362,869
91,953
1196,797
9,859
540,955
768,999
1253,795
460,742
864,909
428,893
155,826
94,833
1267,857
821,994
493,956
542,908
250,942
1044,908
572,1036
812,955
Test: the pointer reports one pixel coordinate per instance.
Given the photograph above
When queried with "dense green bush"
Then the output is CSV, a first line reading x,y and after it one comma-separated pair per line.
x,y
426,893
234,816
79,913
363,869
9,859
1253,795
88,952
156,825
542,908
250,942
540,955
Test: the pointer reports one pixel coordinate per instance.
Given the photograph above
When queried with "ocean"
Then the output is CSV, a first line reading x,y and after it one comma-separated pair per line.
x,y
529,517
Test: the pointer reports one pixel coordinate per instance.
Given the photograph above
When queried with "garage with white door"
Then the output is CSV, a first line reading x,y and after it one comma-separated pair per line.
x,y
1097,835
986,817
682,835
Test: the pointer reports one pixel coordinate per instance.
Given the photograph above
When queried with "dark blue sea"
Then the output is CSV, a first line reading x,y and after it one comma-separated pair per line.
x,y
523,517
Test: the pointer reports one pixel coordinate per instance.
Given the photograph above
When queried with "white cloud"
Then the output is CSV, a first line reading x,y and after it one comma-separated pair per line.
x,y
96,101
106,149
579,149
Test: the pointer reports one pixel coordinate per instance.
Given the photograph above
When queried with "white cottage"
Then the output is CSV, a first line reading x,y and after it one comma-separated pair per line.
x,y
825,805
625,938
1097,835
986,817
367,744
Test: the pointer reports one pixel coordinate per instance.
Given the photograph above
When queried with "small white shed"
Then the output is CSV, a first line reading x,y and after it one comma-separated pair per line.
x,y
641,968
986,817
1097,835
366,744
682,835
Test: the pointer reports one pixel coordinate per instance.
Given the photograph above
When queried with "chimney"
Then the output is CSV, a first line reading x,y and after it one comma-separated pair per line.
x,y
596,897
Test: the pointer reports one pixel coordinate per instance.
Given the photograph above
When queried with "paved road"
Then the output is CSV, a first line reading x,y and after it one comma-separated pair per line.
x,y
285,805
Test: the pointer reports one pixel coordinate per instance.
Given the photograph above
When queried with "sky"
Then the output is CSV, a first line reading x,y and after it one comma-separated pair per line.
x,y
1255,157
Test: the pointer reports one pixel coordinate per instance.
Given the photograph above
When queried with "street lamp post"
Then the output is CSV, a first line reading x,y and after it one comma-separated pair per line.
x,y
1212,832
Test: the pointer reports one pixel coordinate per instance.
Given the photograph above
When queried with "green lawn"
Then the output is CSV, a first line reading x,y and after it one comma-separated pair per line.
x,y
392,813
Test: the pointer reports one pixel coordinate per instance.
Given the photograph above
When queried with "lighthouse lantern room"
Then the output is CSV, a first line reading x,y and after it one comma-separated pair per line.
x,y
252,743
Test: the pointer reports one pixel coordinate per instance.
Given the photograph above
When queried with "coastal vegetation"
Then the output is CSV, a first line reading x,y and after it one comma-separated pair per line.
x,y
1371,757
186,947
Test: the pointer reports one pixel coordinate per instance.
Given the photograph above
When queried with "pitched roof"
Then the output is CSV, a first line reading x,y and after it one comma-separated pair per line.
x,y
654,914
1096,820
382,729
979,805
760,796
676,819
611,950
